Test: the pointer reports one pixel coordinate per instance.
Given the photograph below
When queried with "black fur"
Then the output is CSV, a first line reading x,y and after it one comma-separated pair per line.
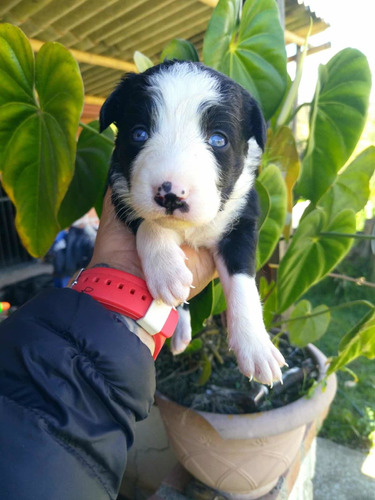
x,y
238,246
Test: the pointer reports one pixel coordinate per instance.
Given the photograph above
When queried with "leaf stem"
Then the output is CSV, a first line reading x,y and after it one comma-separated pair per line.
x,y
358,281
325,311
347,235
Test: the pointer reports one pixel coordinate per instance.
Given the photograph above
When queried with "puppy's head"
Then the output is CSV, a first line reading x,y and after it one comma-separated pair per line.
x,y
187,135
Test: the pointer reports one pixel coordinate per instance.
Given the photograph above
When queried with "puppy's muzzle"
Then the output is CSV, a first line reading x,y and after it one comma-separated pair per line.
x,y
172,197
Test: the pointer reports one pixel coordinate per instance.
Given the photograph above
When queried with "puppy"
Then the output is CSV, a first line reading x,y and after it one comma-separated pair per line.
x,y
186,154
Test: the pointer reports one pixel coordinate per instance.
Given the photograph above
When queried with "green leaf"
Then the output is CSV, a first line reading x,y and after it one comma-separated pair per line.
x,y
90,175
180,49
281,150
16,67
142,62
200,308
206,370
336,121
312,255
291,96
37,137
249,48
219,303
210,301
360,341
271,229
267,292
351,188
264,203
194,346
308,325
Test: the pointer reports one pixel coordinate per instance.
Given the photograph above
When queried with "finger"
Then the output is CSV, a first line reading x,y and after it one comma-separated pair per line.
x,y
201,264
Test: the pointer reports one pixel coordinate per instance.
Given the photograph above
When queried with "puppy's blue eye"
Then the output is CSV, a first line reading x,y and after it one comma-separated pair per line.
x,y
140,135
217,140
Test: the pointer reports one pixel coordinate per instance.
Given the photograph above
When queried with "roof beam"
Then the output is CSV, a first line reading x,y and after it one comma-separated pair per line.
x,y
94,100
90,58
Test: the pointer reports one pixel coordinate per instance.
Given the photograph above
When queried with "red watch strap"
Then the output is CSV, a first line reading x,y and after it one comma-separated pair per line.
x,y
128,295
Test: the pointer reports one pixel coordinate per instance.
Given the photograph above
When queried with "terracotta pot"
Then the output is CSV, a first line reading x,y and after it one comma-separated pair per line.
x,y
243,456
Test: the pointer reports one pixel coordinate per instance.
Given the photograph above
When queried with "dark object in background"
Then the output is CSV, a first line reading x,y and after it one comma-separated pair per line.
x,y
22,291
71,251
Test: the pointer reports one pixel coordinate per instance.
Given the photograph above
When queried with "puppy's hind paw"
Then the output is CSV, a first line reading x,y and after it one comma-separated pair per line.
x,y
182,336
261,362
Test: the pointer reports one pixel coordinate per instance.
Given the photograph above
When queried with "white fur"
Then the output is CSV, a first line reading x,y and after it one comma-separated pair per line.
x,y
256,355
182,336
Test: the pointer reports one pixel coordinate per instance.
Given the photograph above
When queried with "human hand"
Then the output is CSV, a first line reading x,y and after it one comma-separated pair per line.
x,y
115,247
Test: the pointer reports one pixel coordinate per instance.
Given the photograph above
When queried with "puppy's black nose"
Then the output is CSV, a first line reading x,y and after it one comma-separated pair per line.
x,y
167,186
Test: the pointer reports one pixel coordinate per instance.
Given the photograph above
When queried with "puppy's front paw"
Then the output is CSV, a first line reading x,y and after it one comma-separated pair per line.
x,y
258,358
168,279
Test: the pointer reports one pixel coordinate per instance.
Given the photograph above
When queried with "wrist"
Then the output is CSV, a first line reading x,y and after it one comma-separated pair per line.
x,y
128,295
131,266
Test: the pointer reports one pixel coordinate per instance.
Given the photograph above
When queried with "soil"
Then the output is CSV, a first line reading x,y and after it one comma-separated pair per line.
x,y
208,379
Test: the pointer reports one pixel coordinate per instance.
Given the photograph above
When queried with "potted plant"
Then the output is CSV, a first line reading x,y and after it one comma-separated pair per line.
x,y
51,186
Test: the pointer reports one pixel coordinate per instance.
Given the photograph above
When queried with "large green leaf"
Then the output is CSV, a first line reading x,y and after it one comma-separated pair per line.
x,y
307,324
351,188
360,341
272,182
40,106
281,150
336,121
90,175
311,255
180,49
249,47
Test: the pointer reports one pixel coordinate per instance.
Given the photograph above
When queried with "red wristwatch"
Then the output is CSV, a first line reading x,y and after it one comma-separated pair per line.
x,y
128,295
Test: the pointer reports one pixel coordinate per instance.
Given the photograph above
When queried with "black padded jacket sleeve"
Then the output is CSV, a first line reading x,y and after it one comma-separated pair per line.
x,y
73,381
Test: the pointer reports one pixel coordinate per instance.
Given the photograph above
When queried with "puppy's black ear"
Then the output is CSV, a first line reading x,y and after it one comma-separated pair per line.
x,y
110,110
255,123
114,106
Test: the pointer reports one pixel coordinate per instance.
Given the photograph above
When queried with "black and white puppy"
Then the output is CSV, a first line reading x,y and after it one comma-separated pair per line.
x,y
186,154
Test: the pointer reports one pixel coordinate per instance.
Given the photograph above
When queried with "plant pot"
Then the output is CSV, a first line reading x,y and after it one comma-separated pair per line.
x,y
243,456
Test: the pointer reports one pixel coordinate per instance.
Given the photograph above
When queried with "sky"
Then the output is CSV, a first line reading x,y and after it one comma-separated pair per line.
x,y
352,25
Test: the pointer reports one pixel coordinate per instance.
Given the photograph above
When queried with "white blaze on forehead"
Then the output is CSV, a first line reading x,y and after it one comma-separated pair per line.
x,y
181,93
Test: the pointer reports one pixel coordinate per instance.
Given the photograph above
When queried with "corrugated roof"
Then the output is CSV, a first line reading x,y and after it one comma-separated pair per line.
x,y
116,28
